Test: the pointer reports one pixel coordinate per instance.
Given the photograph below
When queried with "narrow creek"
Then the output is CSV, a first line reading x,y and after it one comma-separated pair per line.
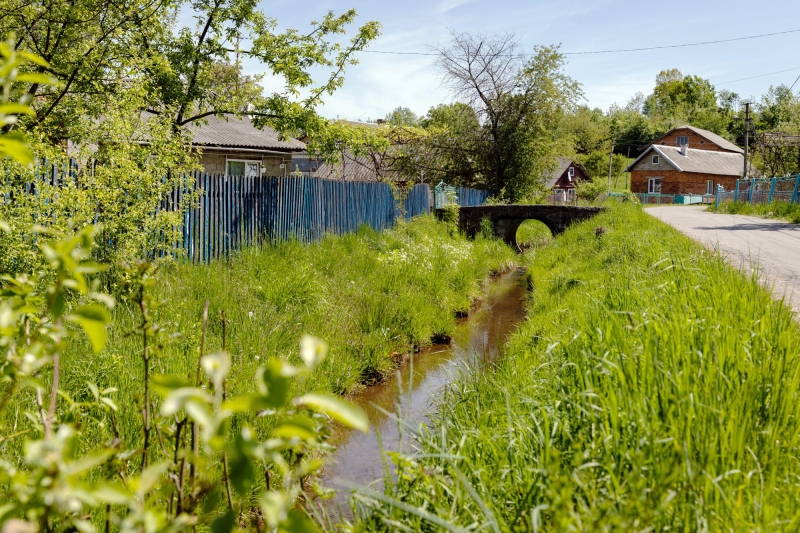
x,y
477,338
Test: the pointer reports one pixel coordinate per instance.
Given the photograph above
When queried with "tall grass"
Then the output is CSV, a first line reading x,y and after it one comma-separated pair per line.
x,y
778,209
651,388
371,296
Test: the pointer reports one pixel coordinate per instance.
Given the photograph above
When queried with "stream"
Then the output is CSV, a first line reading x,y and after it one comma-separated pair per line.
x,y
476,339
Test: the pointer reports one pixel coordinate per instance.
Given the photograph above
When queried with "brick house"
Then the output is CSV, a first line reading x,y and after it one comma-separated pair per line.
x,y
687,160
235,147
563,179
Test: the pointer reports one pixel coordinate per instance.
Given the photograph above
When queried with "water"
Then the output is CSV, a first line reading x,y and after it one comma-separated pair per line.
x,y
477,338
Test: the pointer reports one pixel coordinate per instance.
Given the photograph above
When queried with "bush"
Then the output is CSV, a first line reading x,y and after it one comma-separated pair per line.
x,y
589,191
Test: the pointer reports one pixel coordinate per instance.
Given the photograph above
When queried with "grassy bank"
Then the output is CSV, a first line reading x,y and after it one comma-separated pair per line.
x,y
781,210
651,388
371,296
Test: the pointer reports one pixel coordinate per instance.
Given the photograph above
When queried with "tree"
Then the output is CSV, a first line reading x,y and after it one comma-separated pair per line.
x,y
97,48
402,116
517,103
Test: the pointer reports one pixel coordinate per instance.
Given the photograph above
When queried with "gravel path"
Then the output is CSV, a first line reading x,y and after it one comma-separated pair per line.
x,y
772,246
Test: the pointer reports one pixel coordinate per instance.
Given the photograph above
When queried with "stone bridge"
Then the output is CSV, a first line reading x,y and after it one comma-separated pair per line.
x,y
506,218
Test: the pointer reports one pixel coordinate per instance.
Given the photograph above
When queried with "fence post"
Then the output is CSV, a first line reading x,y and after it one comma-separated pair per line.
x,y
736,192
772,190
752,186
716,202
796,187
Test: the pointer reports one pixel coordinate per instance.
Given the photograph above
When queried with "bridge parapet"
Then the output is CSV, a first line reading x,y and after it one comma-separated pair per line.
x,y
506,219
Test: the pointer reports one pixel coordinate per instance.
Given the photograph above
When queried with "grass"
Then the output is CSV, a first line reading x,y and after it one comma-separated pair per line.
x,y
371,296
651,388
781,210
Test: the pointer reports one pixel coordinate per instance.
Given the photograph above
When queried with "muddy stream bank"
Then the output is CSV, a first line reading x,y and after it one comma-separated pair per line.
x,y
477,338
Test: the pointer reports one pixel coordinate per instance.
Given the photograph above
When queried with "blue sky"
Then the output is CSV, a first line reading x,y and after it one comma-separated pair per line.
x,y
381,82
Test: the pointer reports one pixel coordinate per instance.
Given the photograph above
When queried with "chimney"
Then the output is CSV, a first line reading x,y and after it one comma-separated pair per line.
x,y
685,150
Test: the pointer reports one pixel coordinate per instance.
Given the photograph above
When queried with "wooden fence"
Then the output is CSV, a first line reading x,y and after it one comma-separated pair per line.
x,y
236,212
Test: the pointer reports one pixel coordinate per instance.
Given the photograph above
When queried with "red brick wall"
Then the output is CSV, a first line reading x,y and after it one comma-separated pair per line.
x,y
675,182
671,139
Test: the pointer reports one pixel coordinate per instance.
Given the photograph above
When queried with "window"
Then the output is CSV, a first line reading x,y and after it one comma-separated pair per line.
x,y
702,142
239,168
571,173
653,185
655,159
709,186
683,139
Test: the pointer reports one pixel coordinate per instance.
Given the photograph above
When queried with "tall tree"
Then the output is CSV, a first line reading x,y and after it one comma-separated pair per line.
x,y
518,102
402,116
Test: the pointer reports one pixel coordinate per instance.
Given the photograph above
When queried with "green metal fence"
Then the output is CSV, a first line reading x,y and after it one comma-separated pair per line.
x,y
761,191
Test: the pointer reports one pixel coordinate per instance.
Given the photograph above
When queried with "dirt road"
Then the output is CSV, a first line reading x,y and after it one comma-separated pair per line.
x,y
772,246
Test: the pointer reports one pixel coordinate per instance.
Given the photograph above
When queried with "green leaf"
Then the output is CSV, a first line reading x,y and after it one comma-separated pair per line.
x,y
15,149
93,318
149,478
274,385
300,426
241,466
296,522
87,463
166,383
342,411
13,108
111,493
33,58
224,523
34,77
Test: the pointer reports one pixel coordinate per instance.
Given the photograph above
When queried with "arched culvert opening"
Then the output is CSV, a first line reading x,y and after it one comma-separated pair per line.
x,y
532,234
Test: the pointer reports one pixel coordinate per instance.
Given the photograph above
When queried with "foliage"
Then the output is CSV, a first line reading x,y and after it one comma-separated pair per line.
x,y
651,387
596,164
590,190
114,180
135,485
516,103
402,116
777,209
95,49
12,102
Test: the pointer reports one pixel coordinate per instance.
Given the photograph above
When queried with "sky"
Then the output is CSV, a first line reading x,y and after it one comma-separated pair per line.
x,y
381,82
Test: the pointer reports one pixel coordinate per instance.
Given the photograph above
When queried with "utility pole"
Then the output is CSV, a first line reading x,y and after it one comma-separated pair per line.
x,y
610,163
746,136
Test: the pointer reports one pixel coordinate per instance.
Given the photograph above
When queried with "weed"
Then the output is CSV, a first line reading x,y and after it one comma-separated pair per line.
x,y
651,387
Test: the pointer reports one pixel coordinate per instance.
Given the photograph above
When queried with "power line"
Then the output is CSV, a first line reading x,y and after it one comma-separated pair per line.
x,y
760,76
795,82
615,51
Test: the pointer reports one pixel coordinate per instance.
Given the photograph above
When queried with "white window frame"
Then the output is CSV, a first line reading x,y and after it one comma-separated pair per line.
x,y
655,160
679,138
571,173
246,162
653,184
709,186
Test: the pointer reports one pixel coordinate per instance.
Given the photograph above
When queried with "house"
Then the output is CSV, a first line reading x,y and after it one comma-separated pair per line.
x,y
687,160
563,179
235,147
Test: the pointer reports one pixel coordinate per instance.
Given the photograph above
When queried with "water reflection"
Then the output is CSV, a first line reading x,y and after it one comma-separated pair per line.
x,y
479,337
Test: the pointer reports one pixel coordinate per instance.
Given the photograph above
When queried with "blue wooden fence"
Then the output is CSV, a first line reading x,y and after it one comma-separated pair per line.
x,y
236,212
469,197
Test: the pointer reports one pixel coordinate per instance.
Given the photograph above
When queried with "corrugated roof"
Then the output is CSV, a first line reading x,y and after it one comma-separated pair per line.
x,y
563,164
714,138
240,133
700,161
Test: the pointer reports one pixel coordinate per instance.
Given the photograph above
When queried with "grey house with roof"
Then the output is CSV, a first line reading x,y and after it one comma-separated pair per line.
x,y
234,147
687,160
